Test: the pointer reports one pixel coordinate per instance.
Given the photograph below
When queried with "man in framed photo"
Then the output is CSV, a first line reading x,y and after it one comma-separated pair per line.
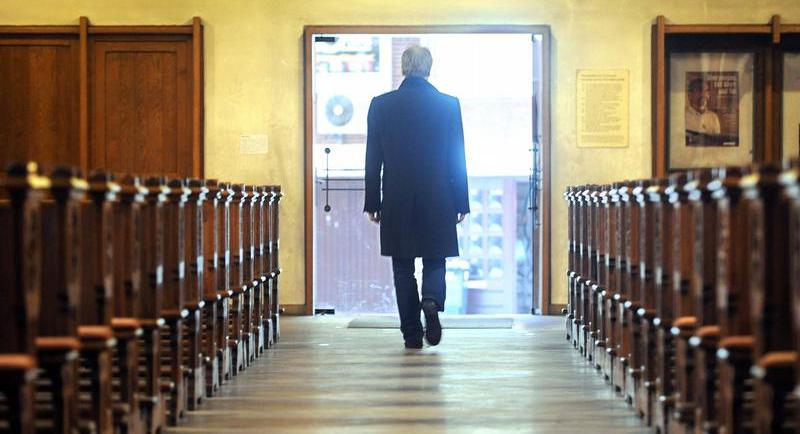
x,y
702,124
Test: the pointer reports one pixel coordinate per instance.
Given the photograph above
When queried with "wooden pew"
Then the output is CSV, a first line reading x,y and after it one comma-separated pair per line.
x,y
21,191
587,268
774,353
274,236
266,268
685,322
194,301
703,282
792,182
57,340
572,270
212,286
173,310
647,313
614,245
96,301
602,289
237,285
736,334
152,401
118,348
248,283
687,297
666,233
127,283
258,270
224,339
631,282
594,277
620,347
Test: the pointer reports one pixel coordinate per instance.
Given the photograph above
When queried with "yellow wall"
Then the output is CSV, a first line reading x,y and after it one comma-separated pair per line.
x,y
253,65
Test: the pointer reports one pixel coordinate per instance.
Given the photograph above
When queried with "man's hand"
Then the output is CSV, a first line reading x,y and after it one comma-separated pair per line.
x,y
460,217
375,216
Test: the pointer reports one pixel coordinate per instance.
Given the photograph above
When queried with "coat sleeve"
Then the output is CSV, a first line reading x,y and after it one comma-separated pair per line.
x,y
458,164
374,161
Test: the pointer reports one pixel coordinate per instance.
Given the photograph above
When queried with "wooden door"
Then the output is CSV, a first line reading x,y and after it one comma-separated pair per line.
x,y
141,106
39,90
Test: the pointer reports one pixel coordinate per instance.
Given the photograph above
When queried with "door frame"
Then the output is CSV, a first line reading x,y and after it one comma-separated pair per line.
x,y
308,127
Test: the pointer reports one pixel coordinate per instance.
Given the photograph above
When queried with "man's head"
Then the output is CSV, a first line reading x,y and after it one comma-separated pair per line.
x,y
417,62
698,94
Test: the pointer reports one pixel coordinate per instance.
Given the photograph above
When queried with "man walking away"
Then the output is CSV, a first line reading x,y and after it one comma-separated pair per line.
x,y
415,134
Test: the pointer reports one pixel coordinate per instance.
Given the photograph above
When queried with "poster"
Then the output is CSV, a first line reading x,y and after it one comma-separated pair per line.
x,y
712,108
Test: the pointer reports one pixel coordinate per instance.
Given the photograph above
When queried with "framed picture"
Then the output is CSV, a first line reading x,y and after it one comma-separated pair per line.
x,y
711,109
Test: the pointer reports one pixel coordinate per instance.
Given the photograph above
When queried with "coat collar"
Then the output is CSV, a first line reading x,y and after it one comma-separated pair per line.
x,y
416,83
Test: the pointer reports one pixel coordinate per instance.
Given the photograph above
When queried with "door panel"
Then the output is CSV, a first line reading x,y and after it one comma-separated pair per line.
x,y
39,94
141,107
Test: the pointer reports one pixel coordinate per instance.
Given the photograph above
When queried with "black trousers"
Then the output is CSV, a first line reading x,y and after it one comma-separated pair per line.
x,y
408,298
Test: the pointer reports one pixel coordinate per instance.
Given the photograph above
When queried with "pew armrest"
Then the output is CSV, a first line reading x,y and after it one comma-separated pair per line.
x,y
684,326
126,328
735,348
706,337
213,298
174,314
57,349
96,338
14,363
57,343
776,366
20,366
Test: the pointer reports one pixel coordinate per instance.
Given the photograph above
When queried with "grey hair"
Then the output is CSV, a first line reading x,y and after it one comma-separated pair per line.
x,y
417,61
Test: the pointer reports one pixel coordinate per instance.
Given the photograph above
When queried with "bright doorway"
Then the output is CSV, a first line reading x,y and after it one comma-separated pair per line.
x,y
501,77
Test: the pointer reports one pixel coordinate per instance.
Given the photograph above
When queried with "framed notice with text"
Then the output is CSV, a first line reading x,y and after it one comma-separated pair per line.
x,y
603,108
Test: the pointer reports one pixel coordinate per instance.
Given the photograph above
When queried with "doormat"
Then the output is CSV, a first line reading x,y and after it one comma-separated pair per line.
x,y
448,322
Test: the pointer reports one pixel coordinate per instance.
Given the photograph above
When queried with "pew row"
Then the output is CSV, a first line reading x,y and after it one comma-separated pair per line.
x,y
127,301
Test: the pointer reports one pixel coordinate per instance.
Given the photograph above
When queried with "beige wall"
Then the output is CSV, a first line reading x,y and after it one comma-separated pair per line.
x,y
253,65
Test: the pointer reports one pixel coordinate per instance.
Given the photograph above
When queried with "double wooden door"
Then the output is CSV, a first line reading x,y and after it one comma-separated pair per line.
x,y
118,98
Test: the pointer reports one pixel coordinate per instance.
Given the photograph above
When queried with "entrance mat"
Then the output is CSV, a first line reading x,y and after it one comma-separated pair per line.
x,y
448,322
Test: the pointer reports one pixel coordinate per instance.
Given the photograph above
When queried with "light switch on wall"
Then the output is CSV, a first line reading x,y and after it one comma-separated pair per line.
x,y
253,144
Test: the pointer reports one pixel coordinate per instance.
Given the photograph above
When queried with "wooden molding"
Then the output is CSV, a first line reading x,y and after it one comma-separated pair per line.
x,y
308,164
154,30
659,98
776,29
83,94
295,310
555,309
546,288
197,98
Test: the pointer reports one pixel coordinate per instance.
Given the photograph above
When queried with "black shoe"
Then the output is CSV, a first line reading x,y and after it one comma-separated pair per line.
x,y
414,344
433,329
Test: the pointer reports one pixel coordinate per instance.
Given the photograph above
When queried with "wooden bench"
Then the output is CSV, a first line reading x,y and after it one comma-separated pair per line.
x,y
21,193
143,311
683,293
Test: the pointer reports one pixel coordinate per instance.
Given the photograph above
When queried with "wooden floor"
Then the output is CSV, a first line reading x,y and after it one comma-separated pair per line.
x,y
324,377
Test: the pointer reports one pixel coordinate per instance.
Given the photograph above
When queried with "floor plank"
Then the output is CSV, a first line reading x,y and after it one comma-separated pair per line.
x,y
324,377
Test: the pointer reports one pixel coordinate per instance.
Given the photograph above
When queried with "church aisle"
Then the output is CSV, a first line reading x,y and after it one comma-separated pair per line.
x,y
324,377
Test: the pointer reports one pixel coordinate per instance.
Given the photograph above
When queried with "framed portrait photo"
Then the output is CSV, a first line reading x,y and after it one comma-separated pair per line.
x,y
711,109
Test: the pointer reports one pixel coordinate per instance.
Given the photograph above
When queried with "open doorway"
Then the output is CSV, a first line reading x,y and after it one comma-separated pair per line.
x,y
501,76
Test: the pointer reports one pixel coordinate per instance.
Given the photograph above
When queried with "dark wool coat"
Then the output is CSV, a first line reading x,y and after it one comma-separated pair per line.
x,y
415,134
